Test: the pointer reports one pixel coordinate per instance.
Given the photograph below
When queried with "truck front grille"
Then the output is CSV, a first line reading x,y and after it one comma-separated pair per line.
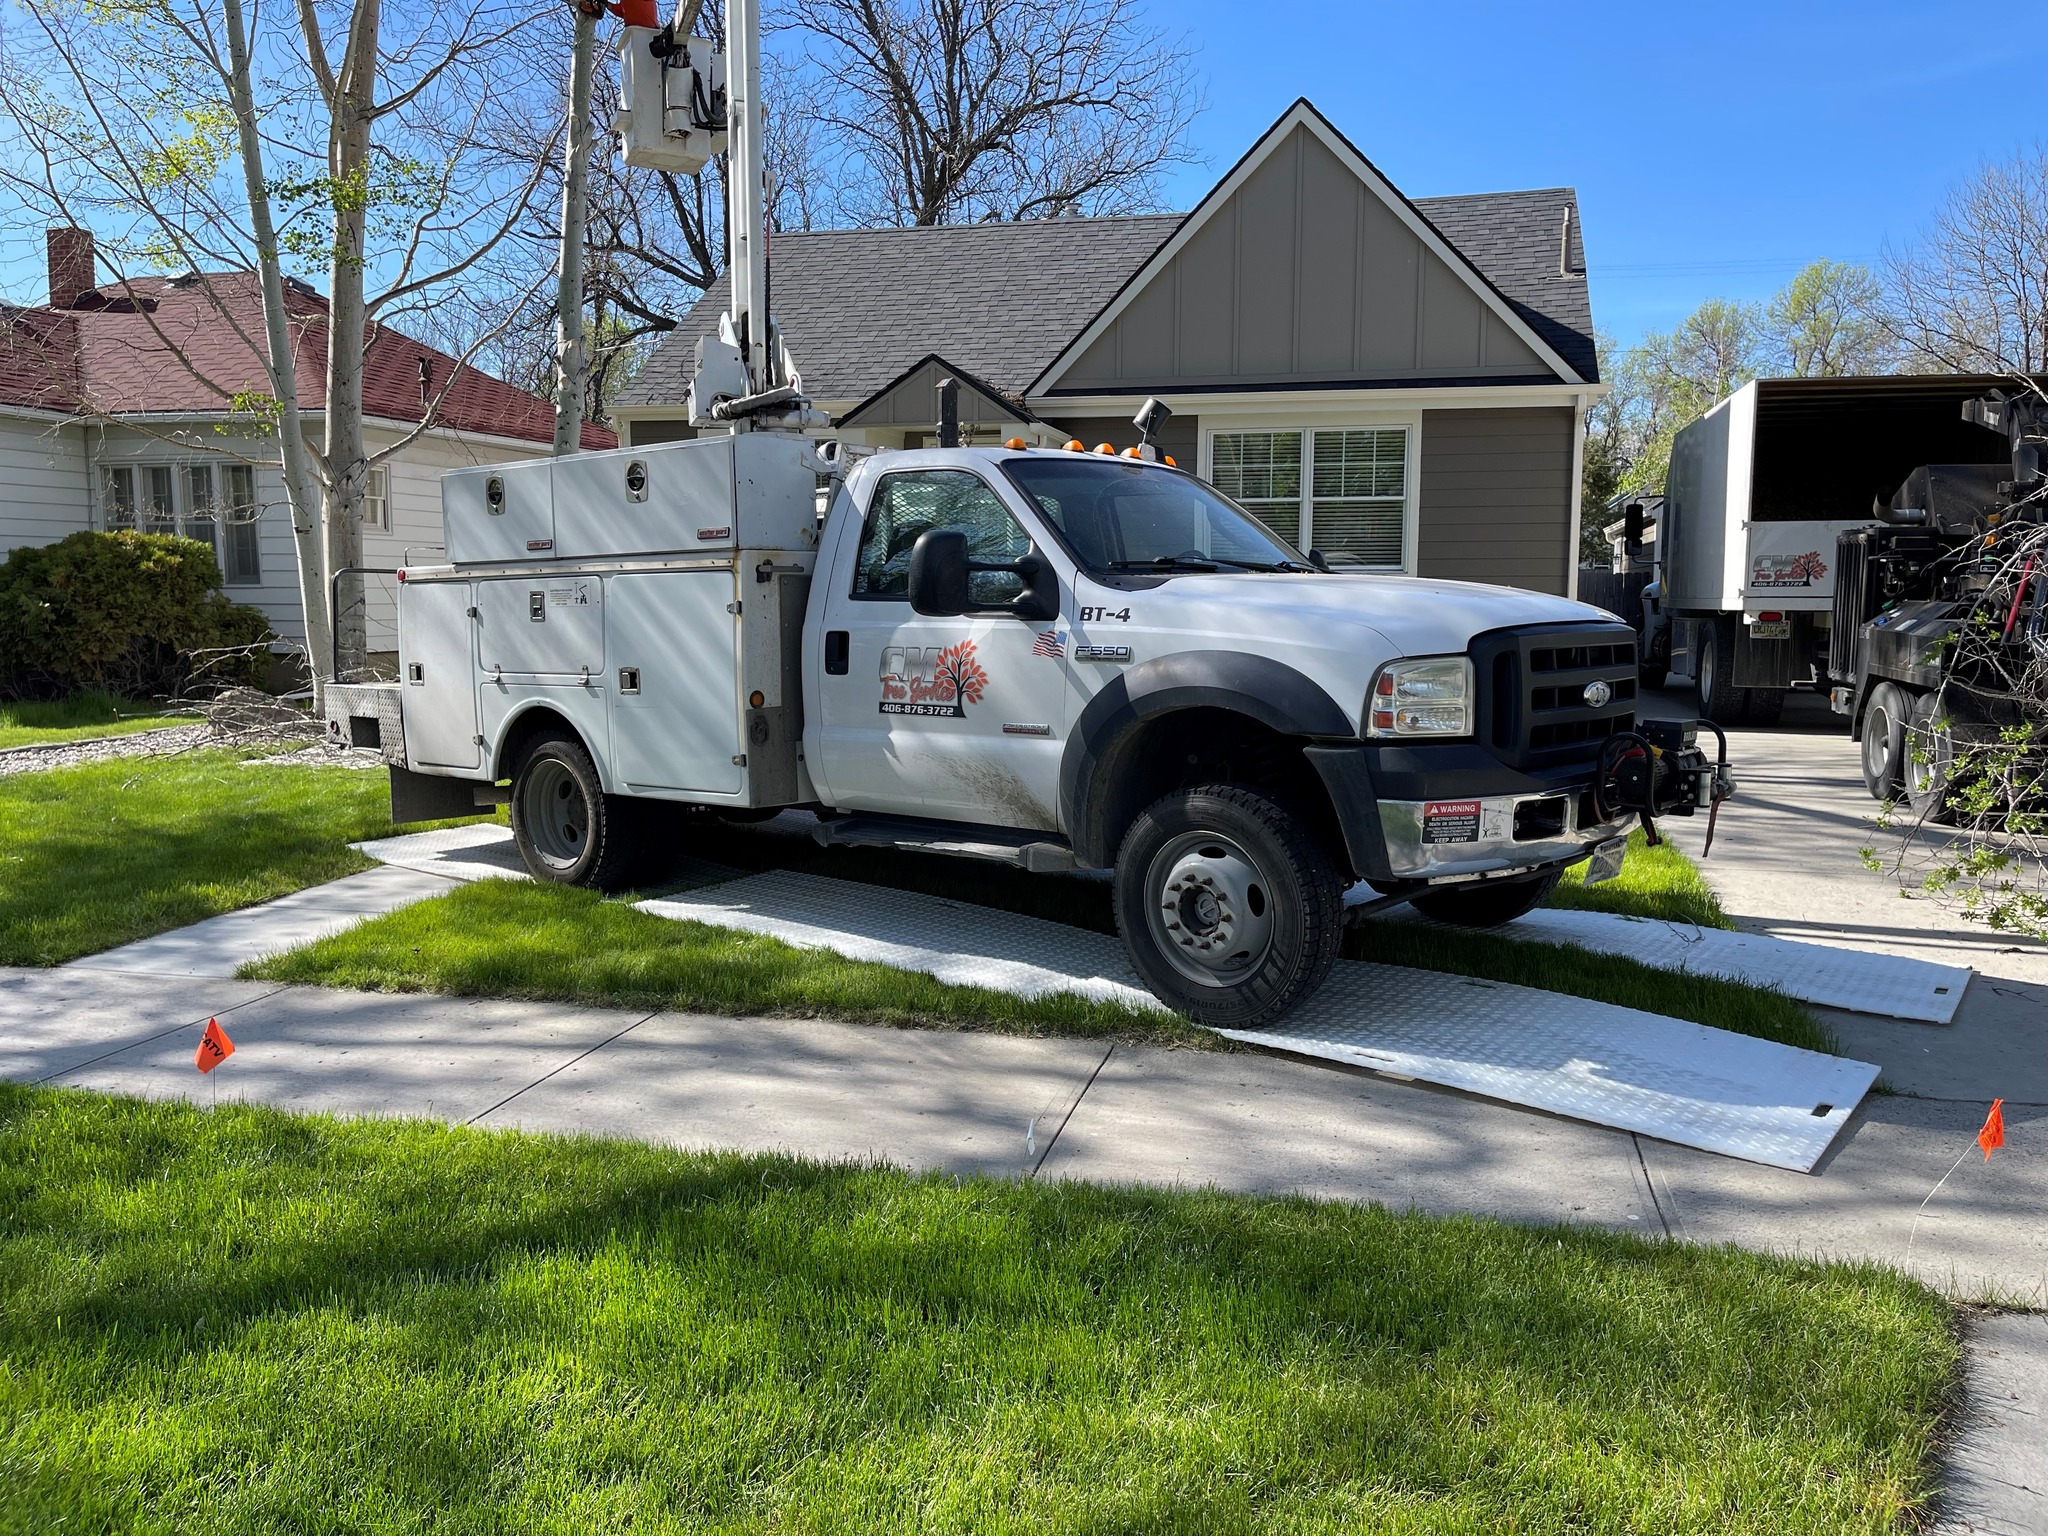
x,y
1534,686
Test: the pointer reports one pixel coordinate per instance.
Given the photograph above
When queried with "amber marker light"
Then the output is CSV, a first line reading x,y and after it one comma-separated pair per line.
x,y
1167,460
1075,445
1015,442
757,698
1105,448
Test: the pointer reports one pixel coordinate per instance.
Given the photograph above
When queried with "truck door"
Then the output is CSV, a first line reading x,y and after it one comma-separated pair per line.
x,y
437,698
958,718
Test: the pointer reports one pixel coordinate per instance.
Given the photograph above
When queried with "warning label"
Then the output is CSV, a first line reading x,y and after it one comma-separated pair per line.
x,y
1450,821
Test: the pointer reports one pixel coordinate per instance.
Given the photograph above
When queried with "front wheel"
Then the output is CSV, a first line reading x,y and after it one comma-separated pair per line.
x,y
1230,909
1487,903
1928,760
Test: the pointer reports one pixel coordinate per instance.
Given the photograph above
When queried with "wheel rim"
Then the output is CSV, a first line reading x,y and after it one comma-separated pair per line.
x,y
1707,674
1210,908
555,814
1927,765
1877,745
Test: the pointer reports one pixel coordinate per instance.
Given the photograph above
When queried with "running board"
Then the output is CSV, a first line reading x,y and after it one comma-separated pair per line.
x,y
963,840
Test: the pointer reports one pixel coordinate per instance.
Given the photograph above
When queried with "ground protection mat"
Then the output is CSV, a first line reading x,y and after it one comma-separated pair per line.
x,y
1891,986
1619,1067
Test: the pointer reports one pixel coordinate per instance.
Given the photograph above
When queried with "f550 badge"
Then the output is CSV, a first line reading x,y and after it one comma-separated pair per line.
x,y
1102,653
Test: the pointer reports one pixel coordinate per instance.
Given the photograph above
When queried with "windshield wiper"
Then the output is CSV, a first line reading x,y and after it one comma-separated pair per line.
x,y
1167,563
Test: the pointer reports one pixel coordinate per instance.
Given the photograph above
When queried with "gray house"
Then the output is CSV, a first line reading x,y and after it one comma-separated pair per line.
x,y
1400,383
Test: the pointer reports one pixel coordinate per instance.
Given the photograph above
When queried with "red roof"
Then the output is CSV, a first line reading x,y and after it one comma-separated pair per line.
x,y
192,344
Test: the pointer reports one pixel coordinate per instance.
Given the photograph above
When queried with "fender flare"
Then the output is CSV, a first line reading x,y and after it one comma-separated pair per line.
x,y
501,765
1265,690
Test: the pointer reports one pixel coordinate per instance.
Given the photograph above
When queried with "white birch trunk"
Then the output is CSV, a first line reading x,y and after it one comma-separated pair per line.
x,y
572,351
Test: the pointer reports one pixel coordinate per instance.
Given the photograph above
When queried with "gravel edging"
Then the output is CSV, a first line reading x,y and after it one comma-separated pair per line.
x,y
68,754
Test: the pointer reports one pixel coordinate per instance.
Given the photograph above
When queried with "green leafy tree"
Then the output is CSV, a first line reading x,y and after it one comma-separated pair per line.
x,y
1829,322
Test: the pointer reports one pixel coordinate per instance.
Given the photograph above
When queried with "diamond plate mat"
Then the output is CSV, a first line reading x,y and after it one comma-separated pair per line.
x,y
485,851
1889,986
964,945
1618,1067
481,851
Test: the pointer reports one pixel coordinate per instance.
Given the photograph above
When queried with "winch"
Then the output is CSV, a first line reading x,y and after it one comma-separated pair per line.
x,y
1658,769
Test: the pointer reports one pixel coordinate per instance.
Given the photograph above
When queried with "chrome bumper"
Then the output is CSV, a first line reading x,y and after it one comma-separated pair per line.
x,y
1427,839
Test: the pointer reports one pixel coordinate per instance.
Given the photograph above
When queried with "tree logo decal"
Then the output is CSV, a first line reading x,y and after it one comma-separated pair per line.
x,y
932,682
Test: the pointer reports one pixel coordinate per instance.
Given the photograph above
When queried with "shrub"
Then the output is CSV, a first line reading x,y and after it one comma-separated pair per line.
x,y
131,613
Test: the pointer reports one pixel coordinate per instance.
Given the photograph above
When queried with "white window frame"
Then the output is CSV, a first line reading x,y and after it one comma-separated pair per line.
x,y
372,480
1308,420
182,517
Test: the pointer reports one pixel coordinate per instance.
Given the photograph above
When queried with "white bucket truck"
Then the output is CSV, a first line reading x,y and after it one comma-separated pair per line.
x,y
1061,660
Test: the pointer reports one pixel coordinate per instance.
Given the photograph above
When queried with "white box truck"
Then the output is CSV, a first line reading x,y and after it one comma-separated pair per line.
x,y
1758,491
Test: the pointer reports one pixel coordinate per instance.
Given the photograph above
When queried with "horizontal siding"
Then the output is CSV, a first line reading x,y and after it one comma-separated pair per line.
x,y
1496,496
44,492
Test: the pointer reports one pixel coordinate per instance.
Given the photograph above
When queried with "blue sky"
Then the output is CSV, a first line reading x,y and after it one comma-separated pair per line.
x,y
1716,149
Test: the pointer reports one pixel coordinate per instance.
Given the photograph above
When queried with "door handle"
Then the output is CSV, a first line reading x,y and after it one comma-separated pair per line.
x,y
838,646
629,679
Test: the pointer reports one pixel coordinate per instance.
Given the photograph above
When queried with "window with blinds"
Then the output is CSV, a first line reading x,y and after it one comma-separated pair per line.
x,y
1261,472
1360,491
1351,503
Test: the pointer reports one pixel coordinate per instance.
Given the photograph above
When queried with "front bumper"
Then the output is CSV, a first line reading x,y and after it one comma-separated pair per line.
x,y
1455,812
1439,839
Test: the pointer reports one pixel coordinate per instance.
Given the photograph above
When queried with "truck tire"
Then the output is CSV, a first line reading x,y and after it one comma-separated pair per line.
x,y
1763,706
1229,907
1713,667
1487,903
567,829
1927,760
1884,738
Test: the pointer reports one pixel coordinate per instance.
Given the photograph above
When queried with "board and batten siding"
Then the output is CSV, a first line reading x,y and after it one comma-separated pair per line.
x,y
1304,275
44,485
1496,496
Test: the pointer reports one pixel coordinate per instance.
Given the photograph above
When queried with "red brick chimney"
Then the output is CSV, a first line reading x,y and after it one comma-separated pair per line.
x,y
69,250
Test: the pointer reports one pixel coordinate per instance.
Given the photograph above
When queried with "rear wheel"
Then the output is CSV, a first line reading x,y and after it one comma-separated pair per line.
x,y
1228,906
1884,736
1720,699
1927,763
567,829
1487,903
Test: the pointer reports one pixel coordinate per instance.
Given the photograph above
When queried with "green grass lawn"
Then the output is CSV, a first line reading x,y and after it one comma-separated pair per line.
x,y
512,939
81,716
107,852
247,1322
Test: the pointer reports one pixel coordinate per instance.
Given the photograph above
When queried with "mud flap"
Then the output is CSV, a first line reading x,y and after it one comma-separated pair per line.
x,y
431,797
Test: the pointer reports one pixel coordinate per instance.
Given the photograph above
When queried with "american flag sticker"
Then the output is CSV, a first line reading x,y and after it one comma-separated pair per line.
x,y
1050,642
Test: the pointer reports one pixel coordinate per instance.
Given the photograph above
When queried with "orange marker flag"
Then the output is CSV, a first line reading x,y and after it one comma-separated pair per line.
x,y
214,1047
1993,1134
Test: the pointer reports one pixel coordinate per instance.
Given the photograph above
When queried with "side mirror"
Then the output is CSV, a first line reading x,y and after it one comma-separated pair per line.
x,y
1319,560
939,569
1634,525
938,573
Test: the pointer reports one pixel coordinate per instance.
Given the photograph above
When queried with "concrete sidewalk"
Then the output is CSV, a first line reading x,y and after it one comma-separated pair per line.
x,y
1056,1108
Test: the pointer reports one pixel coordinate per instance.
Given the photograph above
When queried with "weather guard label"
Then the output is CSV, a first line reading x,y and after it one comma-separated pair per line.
x,y
1450,821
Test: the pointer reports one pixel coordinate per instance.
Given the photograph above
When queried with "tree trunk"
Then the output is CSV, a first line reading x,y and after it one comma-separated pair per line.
x,y
354,111
572,352
302,485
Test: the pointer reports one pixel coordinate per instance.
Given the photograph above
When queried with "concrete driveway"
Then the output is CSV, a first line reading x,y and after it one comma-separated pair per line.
x,y
1786,861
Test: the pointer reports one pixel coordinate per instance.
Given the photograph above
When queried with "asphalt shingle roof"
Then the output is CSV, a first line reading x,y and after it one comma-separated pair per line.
x,y
1000,300
196,348
1513,238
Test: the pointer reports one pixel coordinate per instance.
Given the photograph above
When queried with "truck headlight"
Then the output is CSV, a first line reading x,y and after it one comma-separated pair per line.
x,y
1431,697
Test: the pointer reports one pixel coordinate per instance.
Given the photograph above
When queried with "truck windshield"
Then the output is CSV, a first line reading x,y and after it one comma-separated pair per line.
x,y
1118,515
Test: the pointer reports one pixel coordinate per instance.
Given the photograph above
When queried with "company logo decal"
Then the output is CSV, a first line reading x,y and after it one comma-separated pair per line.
x,y
1597,693
931,681
1799,571
1050,642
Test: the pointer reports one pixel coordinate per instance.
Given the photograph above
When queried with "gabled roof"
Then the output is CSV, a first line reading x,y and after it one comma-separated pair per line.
x,y
860,307
912,397
190,345
1302,117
